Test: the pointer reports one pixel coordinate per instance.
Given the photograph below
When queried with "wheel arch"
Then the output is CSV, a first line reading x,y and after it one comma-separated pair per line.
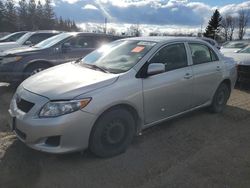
x,y
35,62
227,81
125,106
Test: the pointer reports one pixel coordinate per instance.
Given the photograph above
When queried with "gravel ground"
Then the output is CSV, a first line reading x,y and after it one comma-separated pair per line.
x,y
197,150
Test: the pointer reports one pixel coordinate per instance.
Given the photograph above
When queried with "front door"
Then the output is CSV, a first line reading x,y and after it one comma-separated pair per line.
x,y
77,47
168,93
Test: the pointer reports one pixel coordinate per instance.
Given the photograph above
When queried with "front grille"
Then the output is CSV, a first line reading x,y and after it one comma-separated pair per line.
x,y
24,105
244,73
244,68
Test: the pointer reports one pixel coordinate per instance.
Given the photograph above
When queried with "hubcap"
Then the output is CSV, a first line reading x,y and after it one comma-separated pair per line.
x,y
115,132
36,71
221,98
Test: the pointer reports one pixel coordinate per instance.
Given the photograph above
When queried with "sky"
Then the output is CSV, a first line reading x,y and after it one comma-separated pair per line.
x,y
153,14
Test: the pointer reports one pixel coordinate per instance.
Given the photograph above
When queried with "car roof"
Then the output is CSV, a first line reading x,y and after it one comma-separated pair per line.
x,y
46,31
162,39
91,34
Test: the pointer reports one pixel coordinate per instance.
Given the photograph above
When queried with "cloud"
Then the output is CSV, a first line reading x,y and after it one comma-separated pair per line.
x,y
233,9
71,1
157,12
90,7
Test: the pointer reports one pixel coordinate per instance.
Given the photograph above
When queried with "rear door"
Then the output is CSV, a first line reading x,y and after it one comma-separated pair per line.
x,y
207,71
79,46
171,92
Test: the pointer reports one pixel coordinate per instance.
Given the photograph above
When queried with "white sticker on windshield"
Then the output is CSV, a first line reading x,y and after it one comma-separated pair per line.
x,y
144,43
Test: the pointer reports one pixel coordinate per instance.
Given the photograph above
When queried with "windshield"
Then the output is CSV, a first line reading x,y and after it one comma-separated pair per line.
x,y
11,36
245,50
118,56
235,45
24,38
52,40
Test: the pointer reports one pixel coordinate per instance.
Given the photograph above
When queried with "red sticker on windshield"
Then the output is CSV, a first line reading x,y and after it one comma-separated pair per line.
x,y
138,49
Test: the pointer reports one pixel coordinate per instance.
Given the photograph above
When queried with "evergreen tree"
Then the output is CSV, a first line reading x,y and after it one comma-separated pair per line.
x,y
39,19
213,25
32,15
22,12
2,16
49,15
29,15
10,16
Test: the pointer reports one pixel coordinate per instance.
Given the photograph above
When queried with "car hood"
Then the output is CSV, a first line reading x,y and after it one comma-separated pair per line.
x,y
8,45
67,81
229,50
21,50
240,58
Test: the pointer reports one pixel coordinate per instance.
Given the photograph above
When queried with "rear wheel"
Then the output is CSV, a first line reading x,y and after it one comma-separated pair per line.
x,y
220,98
34,69
112,133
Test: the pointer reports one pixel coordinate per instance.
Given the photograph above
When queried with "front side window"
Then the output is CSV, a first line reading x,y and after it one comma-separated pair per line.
x,y
173,56
36,38
202,54
82,42
118,56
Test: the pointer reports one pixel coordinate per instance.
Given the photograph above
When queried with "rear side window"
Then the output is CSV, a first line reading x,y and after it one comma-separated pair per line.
x,y
173,56
202,54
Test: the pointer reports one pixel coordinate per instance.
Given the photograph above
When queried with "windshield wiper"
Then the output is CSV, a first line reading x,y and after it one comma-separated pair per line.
x,y
95,67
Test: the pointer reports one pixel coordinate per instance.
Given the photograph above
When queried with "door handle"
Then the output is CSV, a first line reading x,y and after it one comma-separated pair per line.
x,y
188,76
218,68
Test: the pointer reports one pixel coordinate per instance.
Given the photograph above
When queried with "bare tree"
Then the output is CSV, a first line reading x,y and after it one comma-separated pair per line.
x,y
242,22
111,31
228,25
135,30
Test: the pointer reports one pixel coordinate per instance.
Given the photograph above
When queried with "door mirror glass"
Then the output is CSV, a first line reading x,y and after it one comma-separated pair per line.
x,y
66,47
28,43
155,68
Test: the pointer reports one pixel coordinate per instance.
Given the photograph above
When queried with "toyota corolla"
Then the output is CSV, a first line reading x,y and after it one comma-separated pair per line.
x,y
103,100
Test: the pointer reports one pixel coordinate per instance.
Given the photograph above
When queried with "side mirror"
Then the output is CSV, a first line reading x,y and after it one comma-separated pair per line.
x,y
66,47
155,68
28,43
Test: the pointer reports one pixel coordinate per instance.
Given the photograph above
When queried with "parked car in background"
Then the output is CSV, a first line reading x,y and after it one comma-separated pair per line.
x,y
242,57
28,39
104,99
13,36
234,46
211,41
18,64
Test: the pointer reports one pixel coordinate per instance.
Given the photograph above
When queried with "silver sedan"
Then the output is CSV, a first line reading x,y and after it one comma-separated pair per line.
x,y
103,100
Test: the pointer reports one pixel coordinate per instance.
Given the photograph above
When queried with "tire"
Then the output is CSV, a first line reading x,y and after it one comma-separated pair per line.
x,y
112,133
35,68
220,98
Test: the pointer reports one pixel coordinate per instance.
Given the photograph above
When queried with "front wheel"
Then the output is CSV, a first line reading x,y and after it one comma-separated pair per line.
x,y
34,69
220,98
112,133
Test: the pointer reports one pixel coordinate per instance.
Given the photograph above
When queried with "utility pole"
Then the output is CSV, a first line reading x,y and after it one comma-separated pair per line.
x,y
105,25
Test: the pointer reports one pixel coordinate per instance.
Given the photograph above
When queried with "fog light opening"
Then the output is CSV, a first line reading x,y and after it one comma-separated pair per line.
x,y
53,141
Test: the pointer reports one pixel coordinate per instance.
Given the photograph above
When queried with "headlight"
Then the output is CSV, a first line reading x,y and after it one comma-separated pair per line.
x,y
10,59
58,108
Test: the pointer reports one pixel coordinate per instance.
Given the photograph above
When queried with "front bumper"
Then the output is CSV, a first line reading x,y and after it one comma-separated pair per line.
x,y
72,130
